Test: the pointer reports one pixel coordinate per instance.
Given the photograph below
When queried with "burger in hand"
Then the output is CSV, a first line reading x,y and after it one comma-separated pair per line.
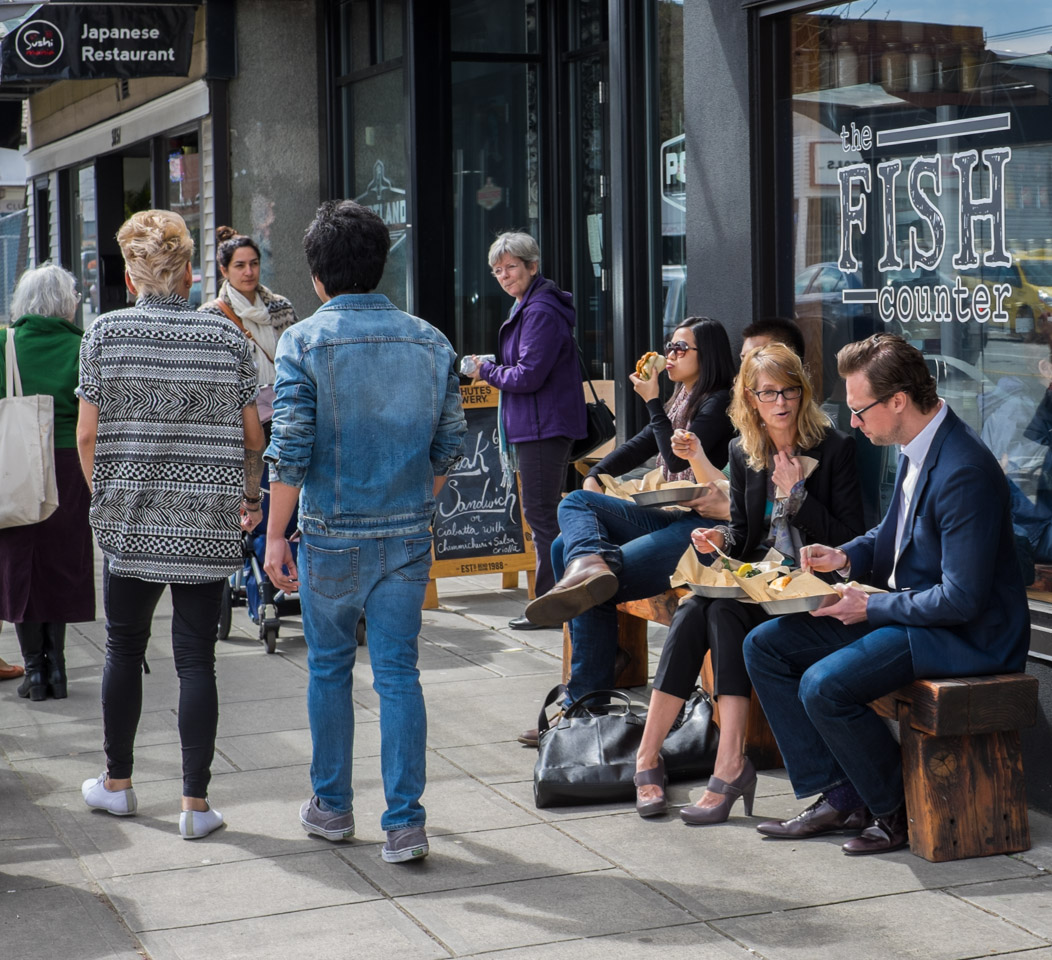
x,y
649,364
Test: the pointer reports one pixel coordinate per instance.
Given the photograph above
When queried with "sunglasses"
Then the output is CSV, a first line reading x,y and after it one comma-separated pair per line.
x,y
678,347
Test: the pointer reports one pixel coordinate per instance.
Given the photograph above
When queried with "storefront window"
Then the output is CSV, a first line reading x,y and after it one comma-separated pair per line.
x,y
495,187
493,26
376,174
85,243
672,167
184,196
921,168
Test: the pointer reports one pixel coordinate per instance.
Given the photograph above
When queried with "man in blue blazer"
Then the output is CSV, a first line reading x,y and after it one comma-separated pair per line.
x,y
955,605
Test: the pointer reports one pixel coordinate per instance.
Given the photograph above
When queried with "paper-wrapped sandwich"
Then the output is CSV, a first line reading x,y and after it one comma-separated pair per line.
x,y
649,364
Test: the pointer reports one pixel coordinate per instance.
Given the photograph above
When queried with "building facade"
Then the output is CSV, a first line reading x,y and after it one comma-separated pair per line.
x,y
858,167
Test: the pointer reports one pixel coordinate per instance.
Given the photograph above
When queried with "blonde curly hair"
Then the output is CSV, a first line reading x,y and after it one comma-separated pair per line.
x,y
780,365
156,247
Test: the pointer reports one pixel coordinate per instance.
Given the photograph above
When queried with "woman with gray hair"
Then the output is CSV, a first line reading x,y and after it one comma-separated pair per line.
x,y
47,574
538,374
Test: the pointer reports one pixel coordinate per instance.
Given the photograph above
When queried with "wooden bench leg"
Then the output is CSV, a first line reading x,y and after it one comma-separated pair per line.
x,y
965,795
632,638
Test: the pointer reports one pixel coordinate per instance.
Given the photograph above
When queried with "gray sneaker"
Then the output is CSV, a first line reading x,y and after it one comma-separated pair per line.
x,y
326,823
409,843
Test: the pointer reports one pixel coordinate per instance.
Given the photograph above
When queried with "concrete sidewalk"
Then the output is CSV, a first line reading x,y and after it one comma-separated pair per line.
x,y
503,878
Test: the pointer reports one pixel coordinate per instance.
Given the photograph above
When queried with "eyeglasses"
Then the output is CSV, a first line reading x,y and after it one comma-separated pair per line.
x,y
858,413
679,348
498,272
786,393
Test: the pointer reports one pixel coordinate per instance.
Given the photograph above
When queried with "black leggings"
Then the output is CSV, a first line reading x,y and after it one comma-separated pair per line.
x,y
130,604
542,472
698,626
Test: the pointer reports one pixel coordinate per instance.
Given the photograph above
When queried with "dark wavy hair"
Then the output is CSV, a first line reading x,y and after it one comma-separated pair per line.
x,y
715,361
228,242
891,366
777,328
346,246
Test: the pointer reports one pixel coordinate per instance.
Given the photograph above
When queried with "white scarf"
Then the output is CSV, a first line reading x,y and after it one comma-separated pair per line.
x,y
257,320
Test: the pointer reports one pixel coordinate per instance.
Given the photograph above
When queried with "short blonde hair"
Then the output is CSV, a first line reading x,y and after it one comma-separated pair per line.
x,y
782,366
156,247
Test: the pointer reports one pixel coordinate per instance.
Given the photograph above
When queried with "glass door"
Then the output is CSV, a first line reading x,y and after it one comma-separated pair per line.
x,y
589,168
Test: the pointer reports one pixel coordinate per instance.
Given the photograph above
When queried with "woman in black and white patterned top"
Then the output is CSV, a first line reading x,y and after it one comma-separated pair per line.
x,y
171,445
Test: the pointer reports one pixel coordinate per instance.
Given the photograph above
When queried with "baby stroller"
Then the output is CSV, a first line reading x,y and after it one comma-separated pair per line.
x,y
250,586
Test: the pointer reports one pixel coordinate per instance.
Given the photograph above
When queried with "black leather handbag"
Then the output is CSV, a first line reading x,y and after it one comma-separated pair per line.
x,y
589,756
600,421
689,749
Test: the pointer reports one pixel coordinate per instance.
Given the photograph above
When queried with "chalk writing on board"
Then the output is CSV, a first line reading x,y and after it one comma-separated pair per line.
x,y
476,514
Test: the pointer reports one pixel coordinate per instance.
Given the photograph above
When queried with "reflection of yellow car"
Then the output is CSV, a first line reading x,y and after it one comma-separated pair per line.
x,y
1030,300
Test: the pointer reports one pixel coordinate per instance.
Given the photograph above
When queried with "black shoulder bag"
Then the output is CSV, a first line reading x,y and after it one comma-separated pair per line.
x,y
599,419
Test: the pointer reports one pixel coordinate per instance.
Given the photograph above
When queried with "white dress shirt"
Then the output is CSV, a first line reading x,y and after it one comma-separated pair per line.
x,y
915,451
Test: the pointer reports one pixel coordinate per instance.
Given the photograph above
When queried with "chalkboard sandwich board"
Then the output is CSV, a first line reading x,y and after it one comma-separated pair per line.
x,y
479,526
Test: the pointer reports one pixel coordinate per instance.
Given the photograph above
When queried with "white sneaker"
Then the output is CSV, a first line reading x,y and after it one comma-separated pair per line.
x,y
194,824
121,803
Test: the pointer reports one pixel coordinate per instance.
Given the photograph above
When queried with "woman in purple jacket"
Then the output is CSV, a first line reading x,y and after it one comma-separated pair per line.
x,y
538,375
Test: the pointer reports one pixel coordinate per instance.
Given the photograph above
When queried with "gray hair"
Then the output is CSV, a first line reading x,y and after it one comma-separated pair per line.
x,y
520,245
47,291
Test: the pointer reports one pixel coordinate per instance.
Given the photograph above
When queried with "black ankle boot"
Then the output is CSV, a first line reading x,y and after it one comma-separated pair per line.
x,y
55,654
31,640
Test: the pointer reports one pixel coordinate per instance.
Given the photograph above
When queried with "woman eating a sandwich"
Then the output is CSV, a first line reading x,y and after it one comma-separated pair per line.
x,y
611,550
776,502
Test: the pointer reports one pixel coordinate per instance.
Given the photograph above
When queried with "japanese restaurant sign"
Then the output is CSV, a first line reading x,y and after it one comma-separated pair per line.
x,y
59,41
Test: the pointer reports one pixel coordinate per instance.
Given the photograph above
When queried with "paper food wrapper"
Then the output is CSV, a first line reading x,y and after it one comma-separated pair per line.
x,y
623,489
690,569
809,464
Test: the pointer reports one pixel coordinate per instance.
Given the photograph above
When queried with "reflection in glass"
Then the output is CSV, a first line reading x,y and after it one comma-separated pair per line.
x,y
376,175
184,197
493,26
85,241
939,233
672,167
495,187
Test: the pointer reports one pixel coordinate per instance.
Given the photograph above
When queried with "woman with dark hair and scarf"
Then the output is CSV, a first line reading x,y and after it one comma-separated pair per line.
x,y
612,550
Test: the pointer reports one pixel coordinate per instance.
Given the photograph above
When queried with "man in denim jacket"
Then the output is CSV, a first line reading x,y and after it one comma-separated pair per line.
x,y
365,463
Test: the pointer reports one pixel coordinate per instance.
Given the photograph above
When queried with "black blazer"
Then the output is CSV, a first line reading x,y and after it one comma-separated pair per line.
x,y
831,513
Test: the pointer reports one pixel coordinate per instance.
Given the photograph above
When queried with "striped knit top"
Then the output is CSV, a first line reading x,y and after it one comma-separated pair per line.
x,y
170,384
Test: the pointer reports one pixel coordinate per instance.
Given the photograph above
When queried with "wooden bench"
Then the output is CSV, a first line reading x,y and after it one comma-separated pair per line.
x,y
962,763
632,619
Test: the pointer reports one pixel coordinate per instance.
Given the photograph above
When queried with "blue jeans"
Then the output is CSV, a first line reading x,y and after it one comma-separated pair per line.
x,y
340,578
814,677
642,545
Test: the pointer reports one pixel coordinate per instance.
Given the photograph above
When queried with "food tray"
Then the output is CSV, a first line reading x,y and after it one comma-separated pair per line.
x,y
669,496
779,608
717,592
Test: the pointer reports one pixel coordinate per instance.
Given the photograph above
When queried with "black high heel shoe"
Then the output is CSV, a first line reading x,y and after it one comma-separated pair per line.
x,y
744,786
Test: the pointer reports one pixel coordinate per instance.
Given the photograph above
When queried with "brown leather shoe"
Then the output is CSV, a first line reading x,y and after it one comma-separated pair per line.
x,y
819,818
881,835
587,582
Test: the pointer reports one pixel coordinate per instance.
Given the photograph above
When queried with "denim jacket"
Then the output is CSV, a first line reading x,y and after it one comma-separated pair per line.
x,y
367,414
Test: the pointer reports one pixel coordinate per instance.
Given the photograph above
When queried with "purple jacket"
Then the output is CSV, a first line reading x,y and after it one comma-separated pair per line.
x,y
539,374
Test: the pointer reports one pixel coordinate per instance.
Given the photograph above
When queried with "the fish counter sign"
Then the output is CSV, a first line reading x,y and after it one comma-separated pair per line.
x,y
82,40
925,248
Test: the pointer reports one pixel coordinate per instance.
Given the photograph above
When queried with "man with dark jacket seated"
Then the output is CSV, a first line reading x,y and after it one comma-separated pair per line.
x,y
955,607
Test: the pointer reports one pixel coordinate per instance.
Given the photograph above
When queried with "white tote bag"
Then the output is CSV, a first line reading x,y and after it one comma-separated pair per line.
x,y
28,491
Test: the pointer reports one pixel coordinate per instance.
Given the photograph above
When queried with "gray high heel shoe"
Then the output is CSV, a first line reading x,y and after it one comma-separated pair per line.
x,y
744,786
655,776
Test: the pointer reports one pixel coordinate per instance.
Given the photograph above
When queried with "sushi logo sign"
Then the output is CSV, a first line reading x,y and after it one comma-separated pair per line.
x,y
39,43
943,302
